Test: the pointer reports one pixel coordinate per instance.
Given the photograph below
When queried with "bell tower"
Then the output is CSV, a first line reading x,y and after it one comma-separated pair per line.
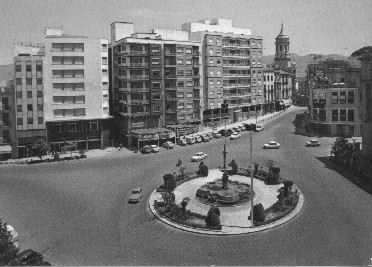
x,y
282,58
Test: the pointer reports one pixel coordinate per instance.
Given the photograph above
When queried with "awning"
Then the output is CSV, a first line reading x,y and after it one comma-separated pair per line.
x,y
5,149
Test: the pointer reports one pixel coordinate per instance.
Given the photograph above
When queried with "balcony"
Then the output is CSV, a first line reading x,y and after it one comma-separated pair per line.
x,y
134,53
142,113
236,66
122,65
137,77
236,75
170,64
236,55
197,97
232,85
170,53
169,111
139,102
171,88
134,89
172,76
138,65
168,98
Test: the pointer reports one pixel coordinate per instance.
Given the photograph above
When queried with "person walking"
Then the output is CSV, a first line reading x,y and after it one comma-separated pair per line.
x,y
120,146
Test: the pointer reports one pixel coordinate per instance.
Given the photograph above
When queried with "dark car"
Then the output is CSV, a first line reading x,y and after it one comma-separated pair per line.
x,y
146,149
250,126
227,133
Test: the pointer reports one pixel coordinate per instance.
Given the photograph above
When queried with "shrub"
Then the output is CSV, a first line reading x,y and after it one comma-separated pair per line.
x,y
258,213
234,167
169,181
81,152
203,169
213,220
56,156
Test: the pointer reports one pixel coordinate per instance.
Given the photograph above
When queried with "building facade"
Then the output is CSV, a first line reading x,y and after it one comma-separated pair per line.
x,y
155,80
76,98
334,100
7,121
232,68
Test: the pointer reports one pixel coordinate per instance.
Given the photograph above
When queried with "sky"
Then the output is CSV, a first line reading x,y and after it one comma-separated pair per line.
x,y
313,26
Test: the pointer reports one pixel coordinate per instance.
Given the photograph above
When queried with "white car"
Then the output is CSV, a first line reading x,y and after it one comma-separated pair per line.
x,y
216,134
312,142
235,136
136,195
199,156
259,127
271,144
154,148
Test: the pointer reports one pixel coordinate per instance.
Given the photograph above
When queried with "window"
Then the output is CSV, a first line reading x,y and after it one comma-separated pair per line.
x,y
40,120
155,49
156,85
68,73
80,99
350,115
179,61
19,108
180,84
334,98
29,94
104,47
211,62
188,72
211,74
39,94
179,72
19,94
180,94
39,107
18,81
156,97
18,68
63,47
188,62
219,82
29,107
156,73
155,61
211,92
342,114
93,126
188,51
30,120
104,72
315,114
28,66
19,121
156,109
350,97
29,81
322,115
180,106
179,50
189,94
189,105
104,61
342,97
39,81
189,83
218,74
335,115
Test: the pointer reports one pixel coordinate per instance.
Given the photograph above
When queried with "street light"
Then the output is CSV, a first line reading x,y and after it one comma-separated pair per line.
x,y
224,152
251,152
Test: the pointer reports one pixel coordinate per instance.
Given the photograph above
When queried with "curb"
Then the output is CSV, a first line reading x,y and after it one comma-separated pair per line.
x,y
232,231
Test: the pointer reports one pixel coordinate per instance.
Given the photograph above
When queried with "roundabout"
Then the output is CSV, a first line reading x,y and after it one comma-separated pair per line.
x,y
233,218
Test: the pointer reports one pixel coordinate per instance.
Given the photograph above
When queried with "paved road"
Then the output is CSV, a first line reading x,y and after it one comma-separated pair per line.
x,y
76,212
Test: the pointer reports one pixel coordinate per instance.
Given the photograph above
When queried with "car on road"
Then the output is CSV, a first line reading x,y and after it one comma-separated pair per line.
x,y
136,195
272,144
154,148
181,142
199,156
204,138
312,142
190,140
216,134
168,145
235,136
259,127
13,233
146,149
198,139
228,132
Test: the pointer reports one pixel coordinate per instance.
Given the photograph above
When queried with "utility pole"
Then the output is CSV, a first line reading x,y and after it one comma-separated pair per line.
x,y
251,178
224,152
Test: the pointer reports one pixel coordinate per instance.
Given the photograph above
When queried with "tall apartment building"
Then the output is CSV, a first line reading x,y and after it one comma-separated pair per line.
x,y
76,96
269,91
7,120
29,97
155,81
232,68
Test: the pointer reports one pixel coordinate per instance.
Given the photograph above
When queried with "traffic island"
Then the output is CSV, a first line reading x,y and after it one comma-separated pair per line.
x,y
182,208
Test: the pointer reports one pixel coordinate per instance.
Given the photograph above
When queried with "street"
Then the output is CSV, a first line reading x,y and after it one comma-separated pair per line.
x,y
76,213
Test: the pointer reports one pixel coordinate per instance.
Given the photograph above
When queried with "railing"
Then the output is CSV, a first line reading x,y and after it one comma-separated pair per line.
x,y
171,98
122,64
135,89
139,102
235,65
237,85
236,55
170,53
138,65
137,77
171,110
132,52
170,64
236,75
171,88
129,114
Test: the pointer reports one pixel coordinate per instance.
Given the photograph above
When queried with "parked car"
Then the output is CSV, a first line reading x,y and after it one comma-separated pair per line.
x,y
241,127
228,132
250,127
168,145
235,136
190,140
209,135
199,156
204,138
312,142
259,127
181,142
216,134
146,149
14,234
136,195
236,129
154,148
198,139
271,144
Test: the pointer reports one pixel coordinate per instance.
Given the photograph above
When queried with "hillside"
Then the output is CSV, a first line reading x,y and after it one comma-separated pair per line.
x,y
6,72
303,61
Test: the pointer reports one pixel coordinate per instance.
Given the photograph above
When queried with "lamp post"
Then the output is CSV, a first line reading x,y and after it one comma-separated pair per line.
x,y
251,152
224,152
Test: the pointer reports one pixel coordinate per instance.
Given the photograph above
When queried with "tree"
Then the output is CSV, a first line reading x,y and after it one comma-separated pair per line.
x,y
225,180
8,250
184,203
182,171
40,147
234,167
258,213
70,146
213,220
203,169
170,182
342,150
269,163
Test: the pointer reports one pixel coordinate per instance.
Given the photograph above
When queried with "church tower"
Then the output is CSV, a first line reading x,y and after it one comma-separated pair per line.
x,y
282,58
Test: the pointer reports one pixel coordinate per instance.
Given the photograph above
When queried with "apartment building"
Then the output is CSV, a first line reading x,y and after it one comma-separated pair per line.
x,y
29,97
334,98
155,80
8,148
269,91
76,96
232,68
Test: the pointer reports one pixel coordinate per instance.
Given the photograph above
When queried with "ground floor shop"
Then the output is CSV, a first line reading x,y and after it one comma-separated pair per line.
x,y
155,136
333,129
